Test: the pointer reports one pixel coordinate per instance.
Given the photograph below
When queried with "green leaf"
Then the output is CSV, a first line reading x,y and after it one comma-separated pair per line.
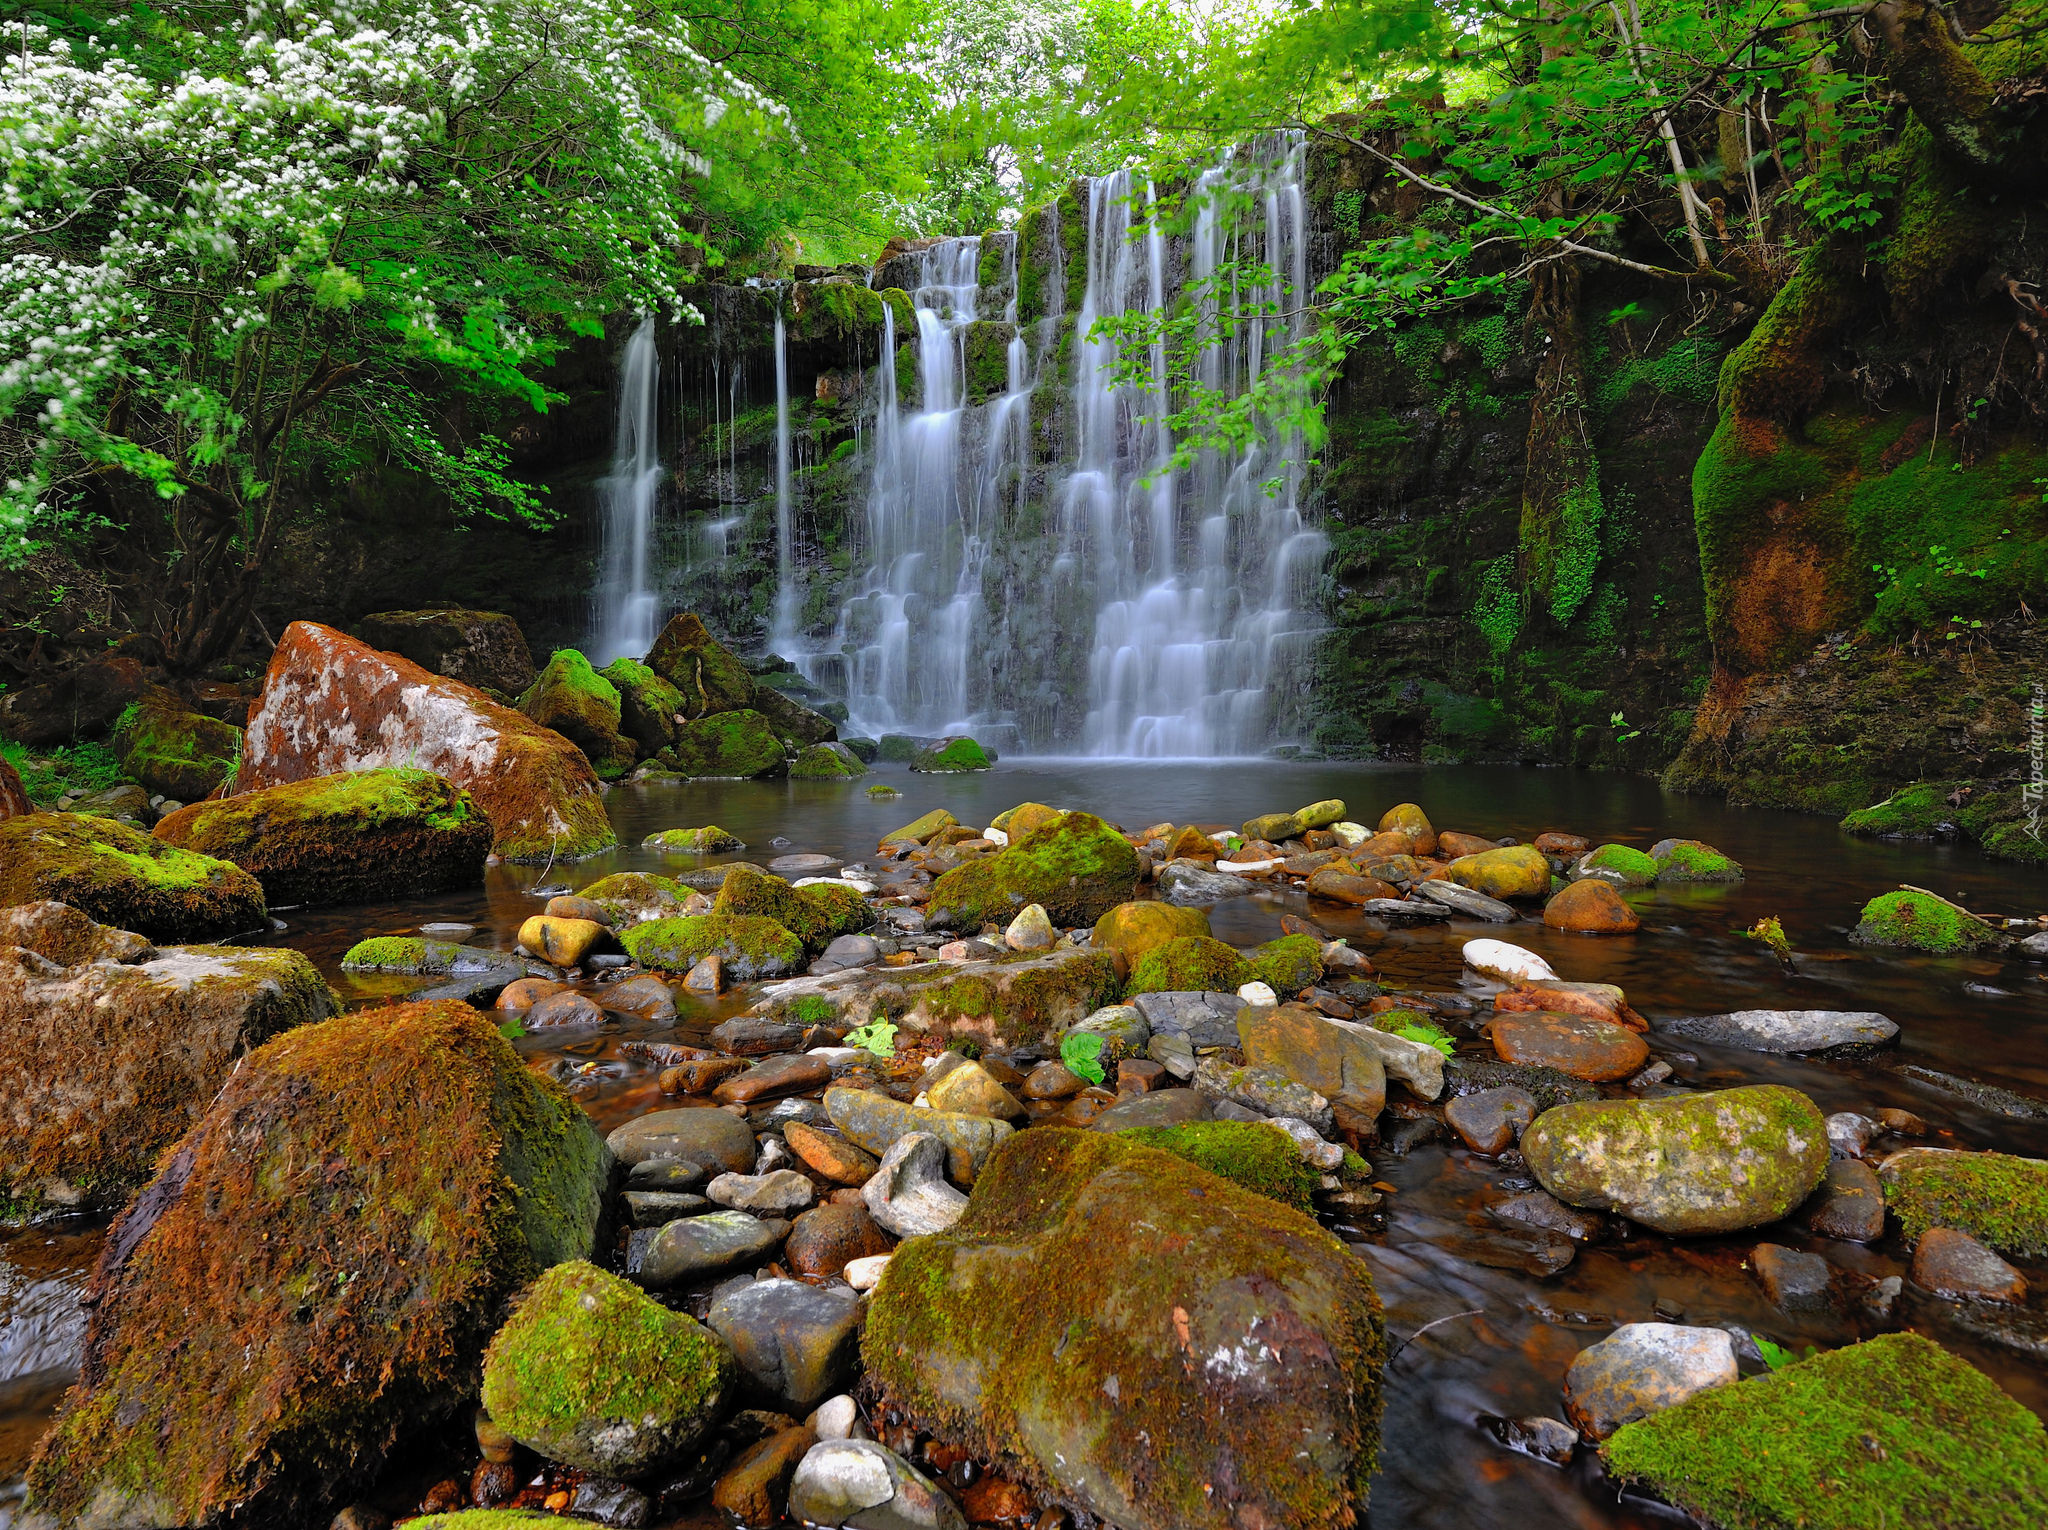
x,y
1081,1052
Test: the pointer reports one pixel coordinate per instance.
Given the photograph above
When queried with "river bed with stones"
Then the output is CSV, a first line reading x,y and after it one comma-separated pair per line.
x,y
1485,1313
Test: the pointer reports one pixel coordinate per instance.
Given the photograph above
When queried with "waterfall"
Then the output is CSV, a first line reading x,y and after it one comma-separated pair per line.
x,y
783,636
627,607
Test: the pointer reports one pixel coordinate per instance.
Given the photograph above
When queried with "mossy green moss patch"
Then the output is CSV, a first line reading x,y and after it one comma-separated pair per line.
x,y
1189,964
1252,1157
1996,1198
826,762
172,749
749,947
1895,1431
951,756
347,838
1623,864
708,675
710,840
1921,922
1911,812
410,955
1029,997
583,706
815,915
123,877
728,746
592,1372
1690,860
1288,964
1075,867
648,704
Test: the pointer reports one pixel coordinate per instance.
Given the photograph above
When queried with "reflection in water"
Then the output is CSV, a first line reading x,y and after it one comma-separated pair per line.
x,y
43,1273
1439,1253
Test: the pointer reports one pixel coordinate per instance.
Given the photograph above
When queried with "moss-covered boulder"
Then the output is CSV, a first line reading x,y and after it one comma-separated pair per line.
x,y
332,704
951,756
112,1048
315,1270
815,915
1252,1157
708,675
1135,928
710,840
1272,828
1023,1331
173,749
791,719
1024,817
1620,865
581,705
1189,964
925,826
1894,1431
749,948
1998,1199
1692,860
1699,1163
728,746
1514,871
1288,964
635,897
827,762
350,838
485,649
1024,999
121,876
648,704
1920,921
1077,868
591,1372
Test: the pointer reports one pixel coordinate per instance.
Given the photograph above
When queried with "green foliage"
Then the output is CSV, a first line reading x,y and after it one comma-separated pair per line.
x,y
1429,1035
877,1036
811,1009
82,768
1081,1053
1497,612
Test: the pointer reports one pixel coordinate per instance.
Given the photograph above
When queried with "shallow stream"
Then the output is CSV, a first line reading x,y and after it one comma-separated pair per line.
x,y
1510,1332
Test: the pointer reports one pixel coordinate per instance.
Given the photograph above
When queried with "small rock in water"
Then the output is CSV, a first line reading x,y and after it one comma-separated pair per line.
x,y
862,1486
706,975
1191,884
829,1154
908,1195
448,930
774,1076
1849,1206
773,1193
1901,1123
799,1343
618,1505
1491,1120
1787,1030
1507,963
865,1274
698,1247
658,1208
1547,1439
1031,930
1954,1264
1849,1134
563,1010
1793,1280
1473,905
754,1491
1642,1368
1596,1050
803,865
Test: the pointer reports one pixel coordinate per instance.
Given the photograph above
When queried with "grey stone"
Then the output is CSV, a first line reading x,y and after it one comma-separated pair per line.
x,y
862,1486
1474,905
2034,948
1160,1107
1191,884
1121,1025
848,951
1951,1263
1491,1120
657,1208
1547,1439
698,1247
1792,1279
1265,1090
756,1036
1849,1205
618,1505
1201,1019
768,1194
714,1138
797,1343
1849,1134
1541,1209
908,1195
1786,1030
1414,910
1173,1054
1643,1368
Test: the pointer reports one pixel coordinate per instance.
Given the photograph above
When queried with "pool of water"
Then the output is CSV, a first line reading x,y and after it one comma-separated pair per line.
x,y
1510,1334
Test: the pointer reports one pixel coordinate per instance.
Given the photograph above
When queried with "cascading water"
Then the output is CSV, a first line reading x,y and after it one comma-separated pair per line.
x,y
783,637
627,605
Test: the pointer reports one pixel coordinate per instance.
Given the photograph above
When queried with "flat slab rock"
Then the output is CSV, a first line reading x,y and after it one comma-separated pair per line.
x,y
1205,1019
1787,1030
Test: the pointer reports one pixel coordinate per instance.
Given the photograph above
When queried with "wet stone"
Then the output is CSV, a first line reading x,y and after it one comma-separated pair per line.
x,y
1954,1264
1161,1107
1849,1205
616,1504
1200,1019
1547,1439
826,1239
1051,1081
847,952
771,1194
698,1247
562,1011
657,1208
1787,1030
803,865
700,1075
754,1491
1541,1209
1596,1050
1643,1368
864,1486
1473,905
1491,1120
709,1137
666,1174
1792,1279
1849,1134
909,1195
756,1036
776,1076
829,1154
797,1343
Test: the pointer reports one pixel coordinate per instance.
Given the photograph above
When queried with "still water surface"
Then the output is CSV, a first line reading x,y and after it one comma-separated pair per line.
x,y
1438,1254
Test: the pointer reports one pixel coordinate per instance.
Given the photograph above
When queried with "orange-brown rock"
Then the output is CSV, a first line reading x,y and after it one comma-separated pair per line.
x,y
1596,1050
1554,842
13,795
1596,1001
1337,884
1590,907
1453,844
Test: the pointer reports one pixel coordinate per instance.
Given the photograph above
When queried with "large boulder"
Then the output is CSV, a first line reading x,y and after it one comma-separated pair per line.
x,y
1135,928
1077,868
590,1372
728,746
826,762
709,676
119,875
815,915
1697,1163
1894,1431
369,834
648,704
485,649
1922,922
1233,1336
94,1092
174,750
583,706
1334,1062
75,702
1997,1198
314,1272
332,704
791,719
1515,871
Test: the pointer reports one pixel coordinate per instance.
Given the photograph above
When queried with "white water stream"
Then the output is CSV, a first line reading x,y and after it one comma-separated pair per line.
x,y
628,610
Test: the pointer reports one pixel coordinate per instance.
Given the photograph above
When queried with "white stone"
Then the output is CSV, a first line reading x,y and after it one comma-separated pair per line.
x,y
1643,1368
1031,930
1314,1150
1508,963
859,1485
1350,834
778,1191
996,836
836,1419
865,1274
908,1195
1257,993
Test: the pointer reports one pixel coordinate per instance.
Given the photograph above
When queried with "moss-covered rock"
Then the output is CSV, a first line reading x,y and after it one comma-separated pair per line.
x,y
790,719
1996,1198
921,828
406,955
1077,868
1334,1061
728,746
1621,865
1273,827
635,897
1252,1157
648,704
315,1270
749,948
709,676
710,840
591,1372
951,756
827,762
1029,998
1916,811
1288,964
1018,1334
815,915
349,838
172,749
1697,1163
1692,860
1894,1431
112,1048
1189,964
1135,928
1921,922
581,705
1514,871
122,877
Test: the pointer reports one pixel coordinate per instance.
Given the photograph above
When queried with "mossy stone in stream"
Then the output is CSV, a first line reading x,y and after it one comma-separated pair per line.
x,y
1894,1431
815,915
635,897
1252,1157
1025,997
1998,1199
120,876
409,955
591,1372
729,746
827,762
1692,860
314,1272
951,756
1911,812
1135,928
648,704
706,841
1031,1339
750,948
1189,964
1288,964
172,749
1921,922
708,675
1622,865
389,833
1077,868
581,705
